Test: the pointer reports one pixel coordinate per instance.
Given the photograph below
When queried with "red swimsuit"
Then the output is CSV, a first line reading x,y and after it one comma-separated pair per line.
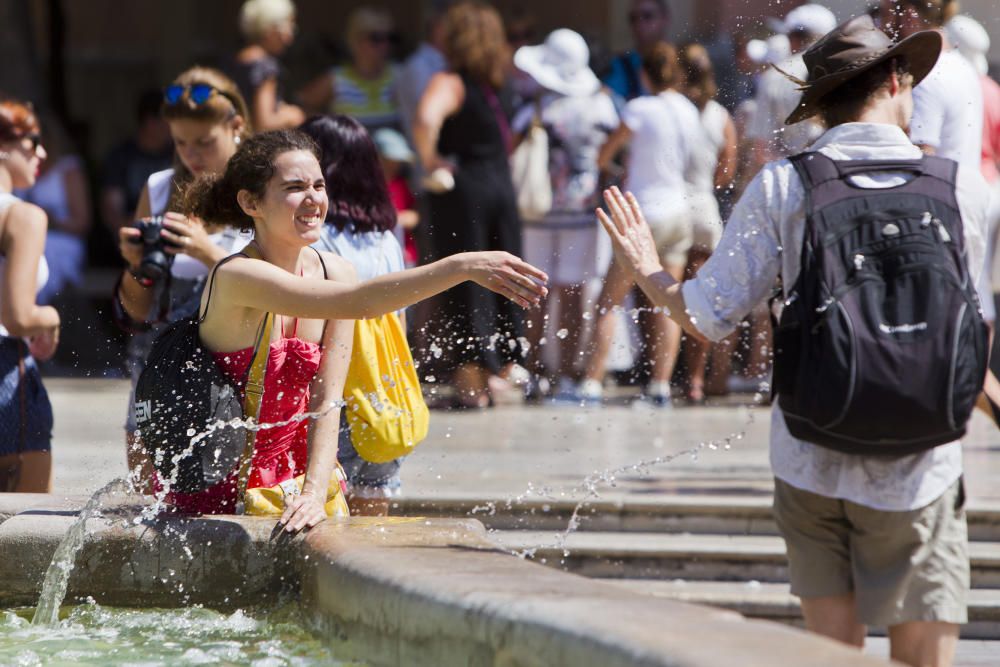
x,y
280,452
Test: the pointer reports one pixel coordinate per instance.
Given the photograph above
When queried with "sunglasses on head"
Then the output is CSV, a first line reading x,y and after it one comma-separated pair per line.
x,y
199,93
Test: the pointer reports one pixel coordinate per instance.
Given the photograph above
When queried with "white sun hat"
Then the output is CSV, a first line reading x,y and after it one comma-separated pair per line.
x,y
971,39
560,64
814,19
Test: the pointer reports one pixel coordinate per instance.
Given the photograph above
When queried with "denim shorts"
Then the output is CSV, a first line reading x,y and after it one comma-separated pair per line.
x,y
37,409
364,478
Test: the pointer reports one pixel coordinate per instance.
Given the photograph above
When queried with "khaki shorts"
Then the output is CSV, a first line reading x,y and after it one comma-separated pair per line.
x,y
674,237
901,566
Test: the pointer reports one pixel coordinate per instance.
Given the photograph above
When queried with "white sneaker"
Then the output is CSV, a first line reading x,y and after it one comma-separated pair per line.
x,y
591,391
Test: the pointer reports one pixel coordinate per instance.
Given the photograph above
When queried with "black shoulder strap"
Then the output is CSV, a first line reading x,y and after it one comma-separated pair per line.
x,y
326,276
211,283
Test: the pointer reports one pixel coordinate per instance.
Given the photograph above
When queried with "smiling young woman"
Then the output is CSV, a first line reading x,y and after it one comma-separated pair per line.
x,y
27,331
274,185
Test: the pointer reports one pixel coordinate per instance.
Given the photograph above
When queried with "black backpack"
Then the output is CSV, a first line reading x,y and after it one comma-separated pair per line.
x,y
184,406
881,348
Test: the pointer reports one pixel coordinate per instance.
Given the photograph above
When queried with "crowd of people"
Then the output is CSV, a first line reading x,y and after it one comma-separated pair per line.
x,y
414,189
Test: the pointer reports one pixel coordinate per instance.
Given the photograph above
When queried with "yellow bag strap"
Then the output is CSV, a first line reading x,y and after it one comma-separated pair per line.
x,y
254,390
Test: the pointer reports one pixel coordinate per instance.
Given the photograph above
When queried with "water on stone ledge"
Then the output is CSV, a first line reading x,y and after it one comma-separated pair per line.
x,y
91,634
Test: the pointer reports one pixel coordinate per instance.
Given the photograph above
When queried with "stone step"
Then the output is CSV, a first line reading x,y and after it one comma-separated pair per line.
x,y
695,513
774,602
684,556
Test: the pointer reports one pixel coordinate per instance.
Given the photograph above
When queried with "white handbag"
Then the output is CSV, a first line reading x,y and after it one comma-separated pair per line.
x,y
529,169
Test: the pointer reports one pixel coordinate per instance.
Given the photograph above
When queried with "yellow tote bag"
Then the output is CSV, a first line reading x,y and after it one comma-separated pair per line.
x,y
385,406
270,501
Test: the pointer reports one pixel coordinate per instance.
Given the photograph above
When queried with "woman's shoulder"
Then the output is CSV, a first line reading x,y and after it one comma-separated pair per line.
x,y
338,268
21,217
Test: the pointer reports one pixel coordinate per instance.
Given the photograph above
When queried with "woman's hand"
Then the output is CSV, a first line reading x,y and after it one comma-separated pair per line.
x,y
303,511
506,275
43,346
130,247
187,236
635,250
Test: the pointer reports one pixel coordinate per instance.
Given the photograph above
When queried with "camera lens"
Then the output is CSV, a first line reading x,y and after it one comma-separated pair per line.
x,y
155,262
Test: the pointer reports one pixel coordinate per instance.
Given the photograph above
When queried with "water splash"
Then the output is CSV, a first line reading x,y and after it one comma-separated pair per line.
x,y
63,560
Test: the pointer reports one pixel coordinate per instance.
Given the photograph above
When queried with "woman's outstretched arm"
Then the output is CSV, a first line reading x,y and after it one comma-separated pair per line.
x,y
256,284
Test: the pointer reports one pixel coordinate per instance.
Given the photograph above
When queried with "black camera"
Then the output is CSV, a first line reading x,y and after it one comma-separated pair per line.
x,y
155,263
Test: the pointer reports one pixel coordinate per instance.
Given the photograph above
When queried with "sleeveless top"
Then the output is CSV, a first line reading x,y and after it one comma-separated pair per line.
x,y
371,102
6,200
474,134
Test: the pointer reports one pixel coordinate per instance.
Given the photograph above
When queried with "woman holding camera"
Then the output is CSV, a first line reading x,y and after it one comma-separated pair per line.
x,y
168,254
27,331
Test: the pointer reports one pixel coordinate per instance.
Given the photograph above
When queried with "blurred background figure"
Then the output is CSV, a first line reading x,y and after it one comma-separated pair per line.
x,y
577,117
777,96
426,61
462,137
649,21
396,159
714,165
62,191
663,130
268,28
364,88
130,163
28,330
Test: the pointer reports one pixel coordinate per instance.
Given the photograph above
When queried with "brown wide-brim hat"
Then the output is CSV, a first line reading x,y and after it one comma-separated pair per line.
x,y
853,48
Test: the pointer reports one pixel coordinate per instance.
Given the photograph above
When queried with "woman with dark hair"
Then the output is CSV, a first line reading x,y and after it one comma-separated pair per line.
x,y
358,227
274,185
463,139
28,331
208,119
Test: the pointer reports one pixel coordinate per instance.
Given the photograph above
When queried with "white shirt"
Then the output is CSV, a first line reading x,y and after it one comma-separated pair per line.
x,y
705,158
743,271
776,98
948,111
42,276
666,129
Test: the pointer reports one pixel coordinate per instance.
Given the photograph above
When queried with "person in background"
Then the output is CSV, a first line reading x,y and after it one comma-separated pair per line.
x,y
422,64
129,164
28,330
777,96
663,130
268,27
973,42
365,88
396,158
208,119
714,165
650,22
577,115
463,139
61,190
274,183
359,228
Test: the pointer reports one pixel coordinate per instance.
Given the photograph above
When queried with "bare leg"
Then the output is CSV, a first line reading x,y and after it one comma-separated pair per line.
x,y
696,349
924,643
368,506
834,617
470,385
666,338
616,287
760,343
35,474
571,319
717,382
140,469
535,325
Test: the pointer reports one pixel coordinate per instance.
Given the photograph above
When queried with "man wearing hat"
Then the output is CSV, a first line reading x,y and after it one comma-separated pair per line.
x,y
776,96
871,540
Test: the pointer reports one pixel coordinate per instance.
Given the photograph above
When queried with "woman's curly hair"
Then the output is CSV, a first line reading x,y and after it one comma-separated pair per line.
x,y
475,43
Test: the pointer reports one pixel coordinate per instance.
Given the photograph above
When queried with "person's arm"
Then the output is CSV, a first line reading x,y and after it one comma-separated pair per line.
x,y
262,286
617,140
269,114
317,95
23,244
327,388
136,298
188,236
444,96
725,170
78,201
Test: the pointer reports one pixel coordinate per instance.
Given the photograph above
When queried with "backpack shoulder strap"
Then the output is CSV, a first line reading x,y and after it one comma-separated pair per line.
x,y
319,255
941,168
211,282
